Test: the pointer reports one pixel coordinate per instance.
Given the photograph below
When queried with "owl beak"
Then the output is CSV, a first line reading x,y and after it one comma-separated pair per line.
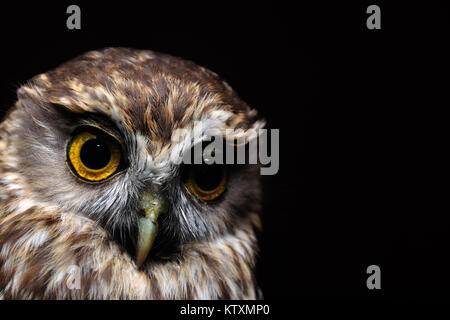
x,y
152,204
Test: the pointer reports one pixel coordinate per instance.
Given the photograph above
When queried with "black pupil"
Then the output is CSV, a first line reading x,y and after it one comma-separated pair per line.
x,y
208,177
95,154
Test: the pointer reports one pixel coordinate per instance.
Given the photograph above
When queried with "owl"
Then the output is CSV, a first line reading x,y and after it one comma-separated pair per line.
x,y
92,206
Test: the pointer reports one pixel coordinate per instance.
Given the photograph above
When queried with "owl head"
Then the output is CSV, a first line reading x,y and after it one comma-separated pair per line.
x,y
96,136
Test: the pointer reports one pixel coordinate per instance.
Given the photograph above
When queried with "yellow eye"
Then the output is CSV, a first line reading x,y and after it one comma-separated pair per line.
x,y
94,155
206,182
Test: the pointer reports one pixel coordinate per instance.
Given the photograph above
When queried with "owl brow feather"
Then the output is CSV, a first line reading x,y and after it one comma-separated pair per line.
x,y
183,215
202,219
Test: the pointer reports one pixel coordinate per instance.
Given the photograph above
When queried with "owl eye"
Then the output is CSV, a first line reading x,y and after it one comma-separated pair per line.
x,y
93,155
206,182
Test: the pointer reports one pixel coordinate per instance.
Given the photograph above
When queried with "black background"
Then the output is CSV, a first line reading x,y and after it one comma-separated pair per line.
x,y
362,175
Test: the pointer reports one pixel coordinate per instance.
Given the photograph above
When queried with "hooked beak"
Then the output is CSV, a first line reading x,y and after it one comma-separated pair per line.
x,y
152,204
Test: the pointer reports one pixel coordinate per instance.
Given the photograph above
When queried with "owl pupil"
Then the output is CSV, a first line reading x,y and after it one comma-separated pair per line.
x,y
95,154
208,177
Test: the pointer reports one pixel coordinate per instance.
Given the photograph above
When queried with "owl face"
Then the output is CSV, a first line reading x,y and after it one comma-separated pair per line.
x,y
96,137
